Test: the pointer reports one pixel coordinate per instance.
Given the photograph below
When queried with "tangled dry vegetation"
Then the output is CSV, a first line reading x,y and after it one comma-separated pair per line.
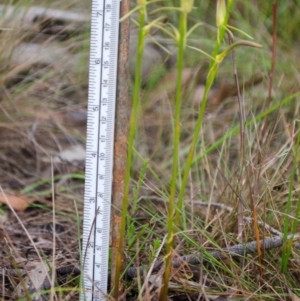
x,y
43,98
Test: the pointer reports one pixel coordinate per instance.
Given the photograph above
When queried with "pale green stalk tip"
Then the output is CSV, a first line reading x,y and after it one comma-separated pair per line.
x,y
221,12
186,6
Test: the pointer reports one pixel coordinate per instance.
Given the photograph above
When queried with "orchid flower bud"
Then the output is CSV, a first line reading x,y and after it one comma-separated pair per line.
x,y
221,12
187,5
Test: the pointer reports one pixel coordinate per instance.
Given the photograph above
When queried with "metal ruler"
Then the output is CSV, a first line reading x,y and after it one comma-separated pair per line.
x,y
99,147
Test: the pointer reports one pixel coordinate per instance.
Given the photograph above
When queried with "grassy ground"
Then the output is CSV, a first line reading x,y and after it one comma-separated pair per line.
x,y
232,196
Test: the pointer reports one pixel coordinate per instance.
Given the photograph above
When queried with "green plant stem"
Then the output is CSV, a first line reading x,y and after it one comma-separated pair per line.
x,y
132,129
211,77
170,226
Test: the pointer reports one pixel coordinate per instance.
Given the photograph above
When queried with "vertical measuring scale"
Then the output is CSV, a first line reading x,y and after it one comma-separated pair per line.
x,y
99,147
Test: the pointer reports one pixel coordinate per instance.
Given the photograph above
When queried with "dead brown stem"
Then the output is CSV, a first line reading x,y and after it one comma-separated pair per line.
x,y
120,146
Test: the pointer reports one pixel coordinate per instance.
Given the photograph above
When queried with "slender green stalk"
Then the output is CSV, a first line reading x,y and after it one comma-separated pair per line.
x,y
133,121
211,77
170,226
288,242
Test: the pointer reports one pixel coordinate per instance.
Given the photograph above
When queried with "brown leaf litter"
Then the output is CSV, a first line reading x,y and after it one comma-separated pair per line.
x,y
21,268
17,201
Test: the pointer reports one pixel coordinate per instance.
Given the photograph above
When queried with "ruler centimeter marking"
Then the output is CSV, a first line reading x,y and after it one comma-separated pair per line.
x,y
99,147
